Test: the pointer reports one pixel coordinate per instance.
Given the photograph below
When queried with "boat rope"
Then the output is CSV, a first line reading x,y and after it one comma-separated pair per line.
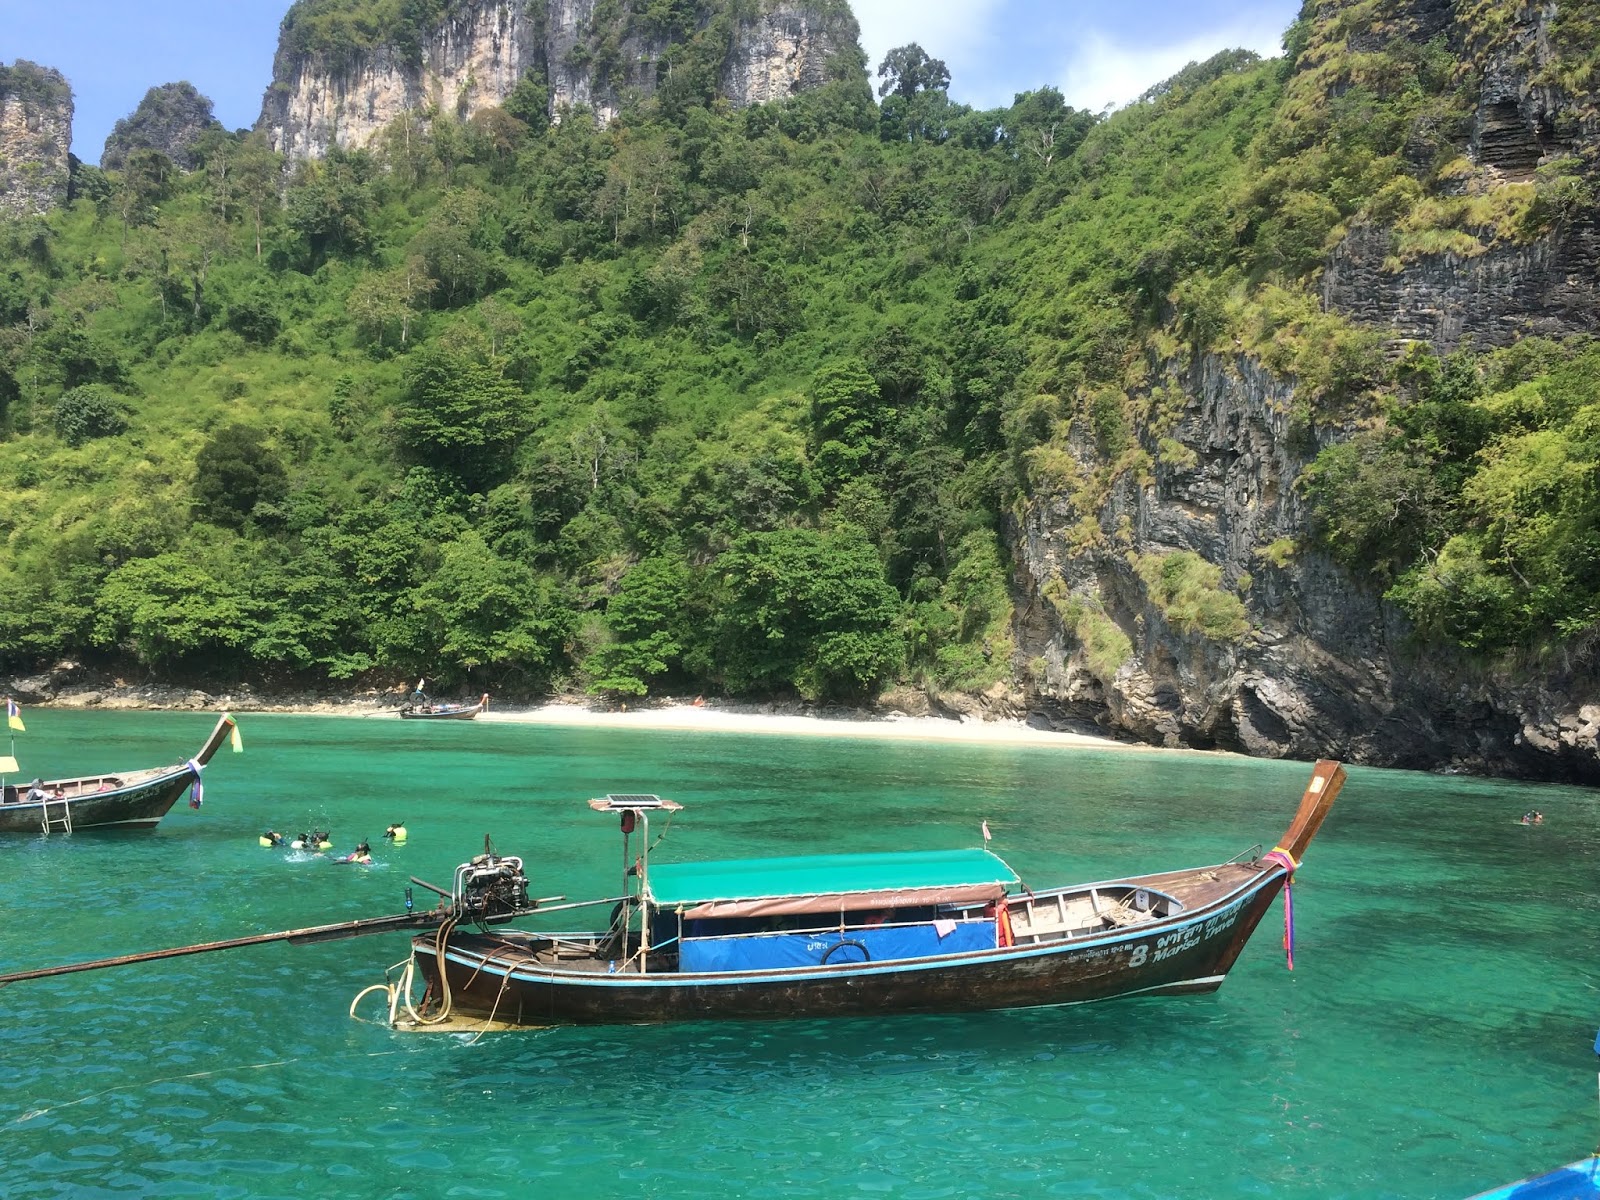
x,y
505,982
1286,860
662,834
399,993
393,992
440,938
388,991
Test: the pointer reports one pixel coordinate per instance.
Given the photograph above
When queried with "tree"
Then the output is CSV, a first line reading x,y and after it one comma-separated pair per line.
x,y
257,173
89,411
483,611
647,620
235,472
1042,127
329,206
453,248
807,610
907,70
144,184
459,412
169,609
846,420
252,313
1375,506
190,245
382,300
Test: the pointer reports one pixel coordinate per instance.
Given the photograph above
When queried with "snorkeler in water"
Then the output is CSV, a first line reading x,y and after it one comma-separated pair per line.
x,y
362,854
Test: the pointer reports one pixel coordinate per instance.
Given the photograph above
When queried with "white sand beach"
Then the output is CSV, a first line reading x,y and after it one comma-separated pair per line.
x,y
712,718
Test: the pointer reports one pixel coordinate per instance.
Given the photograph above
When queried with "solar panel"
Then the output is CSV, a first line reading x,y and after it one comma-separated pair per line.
x,y
621,801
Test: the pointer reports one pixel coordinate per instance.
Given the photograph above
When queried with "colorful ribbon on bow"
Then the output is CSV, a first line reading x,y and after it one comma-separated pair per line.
x,y
197,791
1286,860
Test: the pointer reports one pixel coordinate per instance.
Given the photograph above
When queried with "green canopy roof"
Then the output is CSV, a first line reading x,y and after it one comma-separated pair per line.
x,y
675,884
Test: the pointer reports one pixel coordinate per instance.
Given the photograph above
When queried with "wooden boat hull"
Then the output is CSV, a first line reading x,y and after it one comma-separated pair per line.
x,y
116,799
136,805
1189,952
444,714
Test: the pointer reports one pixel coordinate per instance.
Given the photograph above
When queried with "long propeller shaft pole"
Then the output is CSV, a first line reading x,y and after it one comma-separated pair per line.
x,y
313,933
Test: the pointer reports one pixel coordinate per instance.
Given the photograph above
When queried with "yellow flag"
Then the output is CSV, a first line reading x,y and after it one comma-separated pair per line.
x,y
14,716
233,738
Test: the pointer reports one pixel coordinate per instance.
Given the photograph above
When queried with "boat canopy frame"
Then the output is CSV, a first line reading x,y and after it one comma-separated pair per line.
x,y
828,883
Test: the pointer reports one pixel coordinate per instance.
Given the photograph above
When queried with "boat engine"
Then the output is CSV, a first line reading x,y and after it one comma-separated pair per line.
x,y
490,889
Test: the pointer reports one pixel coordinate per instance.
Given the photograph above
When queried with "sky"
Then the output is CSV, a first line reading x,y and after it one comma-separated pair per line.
x,y
112,51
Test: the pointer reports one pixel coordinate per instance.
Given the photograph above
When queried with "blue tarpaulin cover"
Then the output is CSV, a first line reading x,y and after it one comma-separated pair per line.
x,y
768,951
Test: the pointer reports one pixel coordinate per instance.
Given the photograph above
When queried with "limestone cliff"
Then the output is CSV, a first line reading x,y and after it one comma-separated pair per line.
x,y
582,53
35,138
1315,662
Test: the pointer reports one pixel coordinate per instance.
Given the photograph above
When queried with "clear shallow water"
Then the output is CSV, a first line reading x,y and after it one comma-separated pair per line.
x,y
1434,1039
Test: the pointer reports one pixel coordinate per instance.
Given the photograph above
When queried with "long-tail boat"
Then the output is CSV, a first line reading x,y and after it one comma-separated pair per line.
x,y
428,710
135,799
947,931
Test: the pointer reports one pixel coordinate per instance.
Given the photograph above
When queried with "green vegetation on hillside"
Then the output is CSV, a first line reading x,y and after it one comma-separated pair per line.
x,y
740,401
1476,502
44,87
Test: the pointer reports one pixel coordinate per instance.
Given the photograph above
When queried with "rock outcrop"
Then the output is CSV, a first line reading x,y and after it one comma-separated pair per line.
x,y
1549,288
483,49
35,138
1326,668
169,120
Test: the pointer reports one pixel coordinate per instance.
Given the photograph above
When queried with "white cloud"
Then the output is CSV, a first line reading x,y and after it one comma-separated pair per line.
x,y
1101,72
957,31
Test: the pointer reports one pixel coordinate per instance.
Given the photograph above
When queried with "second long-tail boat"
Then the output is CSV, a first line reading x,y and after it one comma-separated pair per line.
x,y
133,799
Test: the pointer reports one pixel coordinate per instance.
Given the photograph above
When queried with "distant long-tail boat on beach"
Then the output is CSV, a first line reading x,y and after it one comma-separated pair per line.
x,y
428,710
132,799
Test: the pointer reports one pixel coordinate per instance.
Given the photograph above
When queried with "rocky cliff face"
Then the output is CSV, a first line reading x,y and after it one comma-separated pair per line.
x,y
483,48
1327,668
783,50
35,137
1322,665
1521,121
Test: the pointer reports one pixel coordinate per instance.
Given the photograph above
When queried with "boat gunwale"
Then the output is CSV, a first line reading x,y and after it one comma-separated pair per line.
x,y
532,973
132,782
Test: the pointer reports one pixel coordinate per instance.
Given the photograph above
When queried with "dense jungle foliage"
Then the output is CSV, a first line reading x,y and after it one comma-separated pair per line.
x,y
739,400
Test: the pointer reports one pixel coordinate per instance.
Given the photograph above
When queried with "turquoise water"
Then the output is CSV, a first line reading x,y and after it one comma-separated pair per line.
x,y
1434,1039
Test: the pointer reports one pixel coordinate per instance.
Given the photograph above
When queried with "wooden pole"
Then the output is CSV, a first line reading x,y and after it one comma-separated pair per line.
x,y
313,933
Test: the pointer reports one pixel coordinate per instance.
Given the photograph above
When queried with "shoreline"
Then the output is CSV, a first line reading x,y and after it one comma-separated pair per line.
x,y
678,715
712,718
